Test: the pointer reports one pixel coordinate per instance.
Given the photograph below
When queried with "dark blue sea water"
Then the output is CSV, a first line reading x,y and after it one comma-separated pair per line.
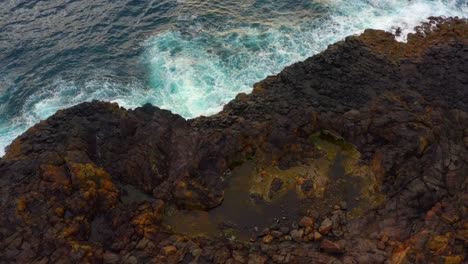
x,y
189,56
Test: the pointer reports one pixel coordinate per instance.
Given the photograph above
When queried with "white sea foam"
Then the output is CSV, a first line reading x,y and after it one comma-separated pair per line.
x,y
62,94
197,74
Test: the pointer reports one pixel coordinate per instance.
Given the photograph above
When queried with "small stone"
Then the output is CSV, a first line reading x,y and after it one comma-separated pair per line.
x,y
352,114
256,259
430,214
336,207
337,233
450,218
131,260
284,230
142,243
326,226
238,256
300,181
267,239
169,250
438,244
344,205
349,260
384,239
59,211
287,238
306,222
109,257
297,234
381,245
276,234
196,252
308,230
374,235
453,259
330,247
16,242
275,186
317,236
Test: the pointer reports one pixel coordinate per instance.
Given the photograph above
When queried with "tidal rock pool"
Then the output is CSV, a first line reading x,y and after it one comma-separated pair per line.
x,y
259,197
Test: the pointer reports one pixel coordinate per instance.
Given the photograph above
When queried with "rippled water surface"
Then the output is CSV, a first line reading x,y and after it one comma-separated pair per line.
x,y
189,56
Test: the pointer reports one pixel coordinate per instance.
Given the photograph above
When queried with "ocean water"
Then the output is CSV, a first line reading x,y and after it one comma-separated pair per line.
x,y
188,56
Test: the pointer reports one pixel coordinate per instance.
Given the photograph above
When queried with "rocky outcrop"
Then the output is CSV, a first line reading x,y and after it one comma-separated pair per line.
x,y
402,106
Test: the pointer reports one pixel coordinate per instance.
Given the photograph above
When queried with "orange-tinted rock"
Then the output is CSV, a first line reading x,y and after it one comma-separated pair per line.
x,y
306,222
453,259
438,244
56,174
267,239
402,105
169,250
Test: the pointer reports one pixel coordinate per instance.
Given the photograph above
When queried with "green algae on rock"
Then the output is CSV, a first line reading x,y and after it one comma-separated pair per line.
x,y
256,195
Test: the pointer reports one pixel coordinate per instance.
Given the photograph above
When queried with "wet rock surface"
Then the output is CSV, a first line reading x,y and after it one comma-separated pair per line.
x,y
91,183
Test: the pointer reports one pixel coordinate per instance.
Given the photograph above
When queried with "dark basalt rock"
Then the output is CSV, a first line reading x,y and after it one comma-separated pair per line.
x,y
402,105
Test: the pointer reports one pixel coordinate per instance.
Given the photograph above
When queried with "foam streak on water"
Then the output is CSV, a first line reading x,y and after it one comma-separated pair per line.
x,y
212,51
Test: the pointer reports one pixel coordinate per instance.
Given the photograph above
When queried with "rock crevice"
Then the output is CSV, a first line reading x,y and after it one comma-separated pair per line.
x,y
402,106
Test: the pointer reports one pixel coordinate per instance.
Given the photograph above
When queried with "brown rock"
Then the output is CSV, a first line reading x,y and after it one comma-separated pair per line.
x,y
256,259
267,239
393,233
326,226
276,234
349,260
131,260
330,247
384,239
169,250
450,218
306,222
221,255
453,259
297,234
238,256
381,245
317,236
438,244
109,257
56,174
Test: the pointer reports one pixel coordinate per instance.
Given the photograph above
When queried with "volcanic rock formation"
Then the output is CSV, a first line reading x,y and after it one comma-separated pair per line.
x,y
396,112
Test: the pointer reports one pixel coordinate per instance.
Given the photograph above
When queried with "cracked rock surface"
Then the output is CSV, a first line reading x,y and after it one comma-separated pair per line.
x,y
403,107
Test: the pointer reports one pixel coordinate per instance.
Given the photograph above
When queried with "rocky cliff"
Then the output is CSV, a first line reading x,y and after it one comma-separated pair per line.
x,y
369,137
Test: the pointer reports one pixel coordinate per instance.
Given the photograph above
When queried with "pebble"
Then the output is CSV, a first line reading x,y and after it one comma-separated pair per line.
x,y
330,247
344,205
276,234
284,229
169,250
109,257
267,239
297,234
306,222
317,235
326,226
